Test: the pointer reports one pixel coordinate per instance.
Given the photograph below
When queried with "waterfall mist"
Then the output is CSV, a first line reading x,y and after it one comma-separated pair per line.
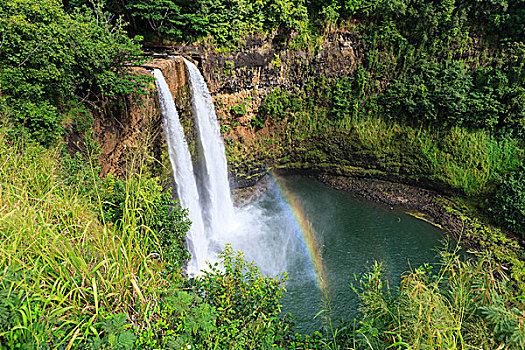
x,y
263,234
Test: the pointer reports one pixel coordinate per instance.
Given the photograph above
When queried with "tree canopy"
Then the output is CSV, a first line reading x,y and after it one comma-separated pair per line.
x,y
50,61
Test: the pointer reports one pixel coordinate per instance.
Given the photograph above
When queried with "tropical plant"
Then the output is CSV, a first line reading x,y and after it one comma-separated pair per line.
x,y
509,202
463,304
51,61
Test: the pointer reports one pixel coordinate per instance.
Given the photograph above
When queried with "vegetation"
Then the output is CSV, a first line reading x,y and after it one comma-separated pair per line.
x,y
98,263
465,158
233,307
509,207
89,269
102,268
438,85
60,261
53,64
226,21
465,304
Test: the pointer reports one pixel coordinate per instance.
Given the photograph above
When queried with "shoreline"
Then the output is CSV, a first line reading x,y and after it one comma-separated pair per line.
x,y
421,203
424,204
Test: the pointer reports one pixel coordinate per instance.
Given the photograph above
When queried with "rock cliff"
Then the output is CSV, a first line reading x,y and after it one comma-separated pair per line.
x,y
239,80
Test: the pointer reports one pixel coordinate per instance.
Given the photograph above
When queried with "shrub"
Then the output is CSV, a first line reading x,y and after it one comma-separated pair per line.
x,y
233,307
509,202
278,105
461,305
247,303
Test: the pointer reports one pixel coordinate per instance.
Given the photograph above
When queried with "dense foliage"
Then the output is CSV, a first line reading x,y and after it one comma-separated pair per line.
x,y
509,206
227,21
426,21
449,94
53,63
442,83
231,307
465,304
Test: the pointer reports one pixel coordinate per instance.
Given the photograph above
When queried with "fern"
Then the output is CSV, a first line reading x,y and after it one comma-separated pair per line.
x,y
506,322
116,337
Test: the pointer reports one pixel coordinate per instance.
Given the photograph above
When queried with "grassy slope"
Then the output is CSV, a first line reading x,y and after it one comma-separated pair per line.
x,y
55,247
457,161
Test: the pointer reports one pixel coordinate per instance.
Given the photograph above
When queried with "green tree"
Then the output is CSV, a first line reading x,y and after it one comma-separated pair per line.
x,y
509,206
51,60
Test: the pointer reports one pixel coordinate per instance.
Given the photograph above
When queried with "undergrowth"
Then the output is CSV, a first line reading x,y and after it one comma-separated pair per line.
x,y
73,264
98,264
101,268
466,304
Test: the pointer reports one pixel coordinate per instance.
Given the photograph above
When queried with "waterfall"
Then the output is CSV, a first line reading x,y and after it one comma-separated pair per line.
x,y
215,188
182,166
206,191
247,229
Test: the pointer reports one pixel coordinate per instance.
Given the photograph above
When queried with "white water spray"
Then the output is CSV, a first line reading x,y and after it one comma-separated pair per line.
x,y
215,187
182,166
264,238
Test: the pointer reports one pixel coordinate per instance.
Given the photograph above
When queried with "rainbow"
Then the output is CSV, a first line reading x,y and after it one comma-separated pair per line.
x,y
306,229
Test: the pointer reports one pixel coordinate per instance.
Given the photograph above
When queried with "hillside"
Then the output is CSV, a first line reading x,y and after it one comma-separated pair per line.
x,y
413,103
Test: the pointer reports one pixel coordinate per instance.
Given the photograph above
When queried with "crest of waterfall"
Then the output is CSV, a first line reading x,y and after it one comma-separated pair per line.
x,y
214,185
182,166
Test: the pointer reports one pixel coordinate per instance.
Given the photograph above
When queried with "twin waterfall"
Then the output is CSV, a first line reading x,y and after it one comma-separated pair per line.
x,y
203,190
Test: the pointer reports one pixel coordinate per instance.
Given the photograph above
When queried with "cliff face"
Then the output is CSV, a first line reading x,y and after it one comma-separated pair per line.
x,y
264,63
239,81
122,128
133,127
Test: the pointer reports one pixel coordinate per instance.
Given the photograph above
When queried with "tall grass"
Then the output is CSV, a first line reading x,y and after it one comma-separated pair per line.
x,y
54,241
470,160
374,132
463,305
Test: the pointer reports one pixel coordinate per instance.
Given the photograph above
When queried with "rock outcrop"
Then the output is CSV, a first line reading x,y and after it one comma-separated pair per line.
x,y
133,127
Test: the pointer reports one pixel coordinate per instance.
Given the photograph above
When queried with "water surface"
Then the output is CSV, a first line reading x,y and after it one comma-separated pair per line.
x,y
349,234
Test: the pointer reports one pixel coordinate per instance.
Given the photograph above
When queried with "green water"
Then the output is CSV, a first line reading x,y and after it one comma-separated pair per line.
x,y
352,233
